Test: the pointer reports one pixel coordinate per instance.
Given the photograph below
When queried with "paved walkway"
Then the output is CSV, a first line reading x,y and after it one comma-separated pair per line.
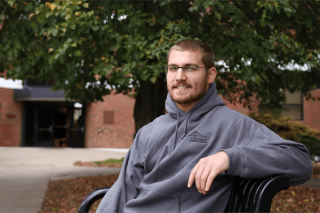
x,y
25,172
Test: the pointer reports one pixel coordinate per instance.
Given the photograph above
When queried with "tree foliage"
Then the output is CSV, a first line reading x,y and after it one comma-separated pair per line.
x,y
77,40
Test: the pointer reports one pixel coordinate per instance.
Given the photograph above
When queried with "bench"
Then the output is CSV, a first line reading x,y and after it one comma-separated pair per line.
x,y
248,195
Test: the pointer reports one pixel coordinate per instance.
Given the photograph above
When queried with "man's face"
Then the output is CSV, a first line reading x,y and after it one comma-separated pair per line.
x,y
186,90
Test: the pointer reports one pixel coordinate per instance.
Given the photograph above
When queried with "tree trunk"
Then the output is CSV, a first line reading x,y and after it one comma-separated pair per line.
x,y
150,102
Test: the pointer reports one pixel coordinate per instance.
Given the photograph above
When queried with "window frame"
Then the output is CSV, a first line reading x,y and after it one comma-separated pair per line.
x,y
285,104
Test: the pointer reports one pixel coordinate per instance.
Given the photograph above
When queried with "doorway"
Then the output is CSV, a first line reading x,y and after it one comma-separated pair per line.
x,y
53,125
43,127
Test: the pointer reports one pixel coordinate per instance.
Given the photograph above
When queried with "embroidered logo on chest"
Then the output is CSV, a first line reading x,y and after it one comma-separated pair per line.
x,y
197,137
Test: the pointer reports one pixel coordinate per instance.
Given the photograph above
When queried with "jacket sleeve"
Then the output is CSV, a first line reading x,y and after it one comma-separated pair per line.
x,y
268,154
128,183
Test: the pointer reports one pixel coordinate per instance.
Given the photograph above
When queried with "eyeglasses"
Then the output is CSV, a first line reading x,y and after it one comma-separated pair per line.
x,y
188,70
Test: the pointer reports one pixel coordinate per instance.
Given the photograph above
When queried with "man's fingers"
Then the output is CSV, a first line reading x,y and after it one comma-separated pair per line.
x,y
206,171
192,175
191,179
203,179
198,178
209,181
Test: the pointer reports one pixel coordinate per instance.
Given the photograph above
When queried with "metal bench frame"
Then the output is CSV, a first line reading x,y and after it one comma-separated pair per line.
x,y
248,195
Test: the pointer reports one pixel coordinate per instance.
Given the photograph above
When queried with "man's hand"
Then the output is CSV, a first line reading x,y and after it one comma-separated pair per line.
x,y
207,169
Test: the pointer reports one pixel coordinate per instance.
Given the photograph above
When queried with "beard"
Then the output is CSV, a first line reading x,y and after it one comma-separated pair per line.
x,y
189,97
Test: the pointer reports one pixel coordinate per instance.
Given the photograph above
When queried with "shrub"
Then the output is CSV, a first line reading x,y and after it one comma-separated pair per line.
x,y
293,131
312,143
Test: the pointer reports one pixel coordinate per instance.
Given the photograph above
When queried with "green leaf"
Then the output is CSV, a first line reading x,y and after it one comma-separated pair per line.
x,y
90,13
153,79
77,53
217,15
262,23
40,18
121,81
277,9
95,28
287,11
85,5
133,65
67,17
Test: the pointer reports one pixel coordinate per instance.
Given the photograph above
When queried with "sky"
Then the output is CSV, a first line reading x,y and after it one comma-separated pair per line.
x,y
9,83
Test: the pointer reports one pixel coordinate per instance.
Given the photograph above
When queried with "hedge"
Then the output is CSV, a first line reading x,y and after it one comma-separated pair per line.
x,y
293,131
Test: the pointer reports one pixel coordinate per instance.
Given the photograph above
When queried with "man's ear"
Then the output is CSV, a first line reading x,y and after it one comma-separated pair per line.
x,y
212,74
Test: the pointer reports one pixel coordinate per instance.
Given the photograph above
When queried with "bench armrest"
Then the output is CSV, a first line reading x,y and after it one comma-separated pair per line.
x,y
91,198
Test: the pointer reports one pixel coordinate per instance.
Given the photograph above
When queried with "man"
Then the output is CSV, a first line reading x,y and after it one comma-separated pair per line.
x,y
200,140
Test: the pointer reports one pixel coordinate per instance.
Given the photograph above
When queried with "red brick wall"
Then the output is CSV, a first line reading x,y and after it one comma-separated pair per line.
x,y
116,135
311,111
10,128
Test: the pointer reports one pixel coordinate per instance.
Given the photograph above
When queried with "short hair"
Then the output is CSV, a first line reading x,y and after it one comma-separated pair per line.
x,y
207,54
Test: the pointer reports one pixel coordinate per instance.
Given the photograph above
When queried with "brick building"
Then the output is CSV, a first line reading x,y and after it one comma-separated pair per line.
x,y
38,117
34,116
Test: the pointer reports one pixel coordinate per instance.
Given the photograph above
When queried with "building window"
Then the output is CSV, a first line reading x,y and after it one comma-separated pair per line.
x,y
108,117
292,107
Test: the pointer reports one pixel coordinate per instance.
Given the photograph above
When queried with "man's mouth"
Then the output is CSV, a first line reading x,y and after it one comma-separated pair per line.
x,y
181,87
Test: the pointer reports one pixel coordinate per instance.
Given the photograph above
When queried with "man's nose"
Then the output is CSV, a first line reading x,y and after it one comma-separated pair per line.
x,y
181,75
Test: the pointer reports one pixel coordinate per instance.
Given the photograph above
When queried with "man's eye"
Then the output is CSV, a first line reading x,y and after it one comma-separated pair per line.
x,y
191,69
173,68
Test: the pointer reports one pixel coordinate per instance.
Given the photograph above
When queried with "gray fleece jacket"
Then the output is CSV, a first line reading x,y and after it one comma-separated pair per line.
x,y
156,169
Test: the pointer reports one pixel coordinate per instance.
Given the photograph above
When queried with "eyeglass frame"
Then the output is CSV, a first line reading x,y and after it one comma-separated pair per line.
x,y
182,68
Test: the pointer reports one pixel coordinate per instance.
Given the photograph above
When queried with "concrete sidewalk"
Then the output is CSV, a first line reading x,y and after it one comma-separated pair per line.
x,y
26,171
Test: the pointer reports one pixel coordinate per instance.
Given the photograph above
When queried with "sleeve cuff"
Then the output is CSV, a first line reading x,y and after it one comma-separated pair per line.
x,y
236,162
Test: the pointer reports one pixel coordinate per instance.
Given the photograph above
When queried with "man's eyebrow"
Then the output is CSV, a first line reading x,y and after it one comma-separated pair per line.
x,y
191,65
183,65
